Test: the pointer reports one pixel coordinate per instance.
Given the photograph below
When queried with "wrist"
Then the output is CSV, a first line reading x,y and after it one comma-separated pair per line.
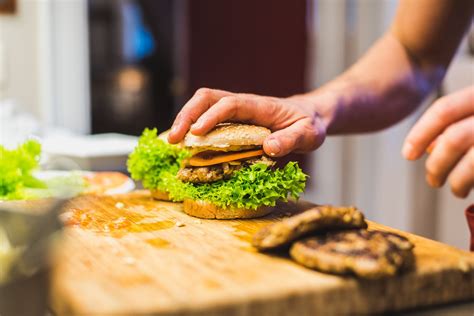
x,y
324,103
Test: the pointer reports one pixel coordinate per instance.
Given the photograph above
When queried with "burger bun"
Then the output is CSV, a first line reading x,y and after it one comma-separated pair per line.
x,y
160,195
227,136
203,209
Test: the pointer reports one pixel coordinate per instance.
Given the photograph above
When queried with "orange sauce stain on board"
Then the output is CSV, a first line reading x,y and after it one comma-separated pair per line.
x,y
158,242
114,219
245,232
243,236
212,284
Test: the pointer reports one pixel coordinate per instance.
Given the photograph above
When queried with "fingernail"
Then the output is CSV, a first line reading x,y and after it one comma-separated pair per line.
x,y
408,152
174,129
274,147
433,181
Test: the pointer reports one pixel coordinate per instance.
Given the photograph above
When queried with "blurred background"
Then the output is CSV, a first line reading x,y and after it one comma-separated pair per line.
x,y
101,66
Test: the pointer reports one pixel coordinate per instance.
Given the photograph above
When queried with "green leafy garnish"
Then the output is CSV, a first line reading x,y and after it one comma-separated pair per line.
x,y
61,186
250,187
18,180
152,158
16,171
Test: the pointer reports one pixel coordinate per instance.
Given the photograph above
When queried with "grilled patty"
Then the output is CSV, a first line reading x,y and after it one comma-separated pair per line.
x,y
367,254
218,172
318,218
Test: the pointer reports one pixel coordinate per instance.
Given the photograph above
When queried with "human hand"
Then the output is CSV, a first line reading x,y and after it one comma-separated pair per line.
x,y
450,121
295,126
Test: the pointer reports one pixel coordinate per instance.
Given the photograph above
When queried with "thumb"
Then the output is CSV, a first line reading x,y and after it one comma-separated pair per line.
x,y
303,135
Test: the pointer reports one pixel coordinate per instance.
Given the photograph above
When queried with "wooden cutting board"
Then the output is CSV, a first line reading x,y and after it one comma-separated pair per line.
x,y
129,254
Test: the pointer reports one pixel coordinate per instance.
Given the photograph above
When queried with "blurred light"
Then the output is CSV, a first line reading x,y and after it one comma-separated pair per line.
x,y
138,42
131,80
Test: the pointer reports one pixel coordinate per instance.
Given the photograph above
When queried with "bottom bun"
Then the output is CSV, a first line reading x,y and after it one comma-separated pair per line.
x,y
204,209
160,195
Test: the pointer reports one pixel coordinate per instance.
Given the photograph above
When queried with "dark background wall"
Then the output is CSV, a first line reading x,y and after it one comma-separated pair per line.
x,y
237,45
248,46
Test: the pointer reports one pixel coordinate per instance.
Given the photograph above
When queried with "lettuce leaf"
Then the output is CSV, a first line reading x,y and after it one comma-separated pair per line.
x,y
152,158
20,181
61,186
249,187
16,170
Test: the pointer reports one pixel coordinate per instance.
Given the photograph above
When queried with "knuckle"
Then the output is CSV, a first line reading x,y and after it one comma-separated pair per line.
x,y
442,110
272,107
230,100
453,140
229,105
203,92
184,116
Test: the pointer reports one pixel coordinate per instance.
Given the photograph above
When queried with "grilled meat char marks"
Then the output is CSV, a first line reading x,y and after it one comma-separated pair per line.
x,y
367,254
318,218
218,172
335,240
207,174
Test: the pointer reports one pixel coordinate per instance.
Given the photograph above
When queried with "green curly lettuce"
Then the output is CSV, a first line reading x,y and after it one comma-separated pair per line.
x,y
249,187
152,158
16,171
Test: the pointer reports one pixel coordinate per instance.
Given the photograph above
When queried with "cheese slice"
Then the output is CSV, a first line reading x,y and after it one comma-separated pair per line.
x,y
227,149
198,161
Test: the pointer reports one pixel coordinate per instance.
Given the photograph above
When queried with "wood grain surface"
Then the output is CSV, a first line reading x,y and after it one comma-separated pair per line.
x,y
129,254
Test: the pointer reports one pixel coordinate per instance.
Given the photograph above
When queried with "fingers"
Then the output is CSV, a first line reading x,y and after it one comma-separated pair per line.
x,y
450,147
264,111
297,129
303,135
431,146
461,179
202,100
443,113
229,108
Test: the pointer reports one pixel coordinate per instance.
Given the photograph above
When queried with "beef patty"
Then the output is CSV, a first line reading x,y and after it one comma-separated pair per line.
x,y
316,219
367,254
218,172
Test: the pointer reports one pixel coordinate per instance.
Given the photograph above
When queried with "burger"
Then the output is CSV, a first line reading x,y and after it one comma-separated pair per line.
x,y
153,160
227,174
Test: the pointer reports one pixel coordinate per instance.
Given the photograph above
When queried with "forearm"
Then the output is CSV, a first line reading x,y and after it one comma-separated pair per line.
x,y
388,83
379,90
398,72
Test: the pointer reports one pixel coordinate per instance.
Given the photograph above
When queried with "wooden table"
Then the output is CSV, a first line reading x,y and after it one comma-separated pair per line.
x,y
130,254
